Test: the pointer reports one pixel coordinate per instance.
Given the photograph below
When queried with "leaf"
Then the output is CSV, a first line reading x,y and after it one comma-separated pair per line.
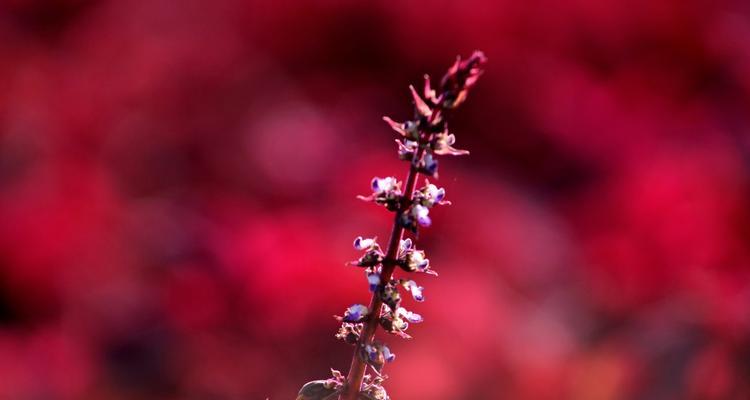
x,y
316,390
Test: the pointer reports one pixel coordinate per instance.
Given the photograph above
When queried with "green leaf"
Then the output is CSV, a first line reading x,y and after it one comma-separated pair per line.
x,y
317,390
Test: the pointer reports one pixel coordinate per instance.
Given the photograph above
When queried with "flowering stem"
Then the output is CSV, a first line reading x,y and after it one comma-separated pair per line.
x,y
422,139
358,366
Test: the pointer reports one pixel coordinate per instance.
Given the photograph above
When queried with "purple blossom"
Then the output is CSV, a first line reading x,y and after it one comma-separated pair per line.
x,y
372,352
434,194
385,191
361,243
412,317
421,212
373,280
404,245
417,260
355,313
416,290
382,185
389,357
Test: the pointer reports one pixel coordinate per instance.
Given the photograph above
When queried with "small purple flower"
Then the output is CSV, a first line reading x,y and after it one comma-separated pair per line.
x,y
405,245
372,352
434,194
412,317
416,261
389,357
356,313
416,290
429,164
429,195
373,280
421,213
382,185
361,243
385,191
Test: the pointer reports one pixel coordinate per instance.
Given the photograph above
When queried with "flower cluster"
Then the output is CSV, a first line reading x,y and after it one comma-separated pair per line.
x,y
377,354
385,191
422,201
412,260
421,139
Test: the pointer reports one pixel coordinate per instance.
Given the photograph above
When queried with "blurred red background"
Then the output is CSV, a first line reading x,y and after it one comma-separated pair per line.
x,y
178,181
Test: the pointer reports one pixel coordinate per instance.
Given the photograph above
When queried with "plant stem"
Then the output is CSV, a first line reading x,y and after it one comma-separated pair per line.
x,y
358,366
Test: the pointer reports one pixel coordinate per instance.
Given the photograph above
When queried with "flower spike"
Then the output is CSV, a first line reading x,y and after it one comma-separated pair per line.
x,y
420,141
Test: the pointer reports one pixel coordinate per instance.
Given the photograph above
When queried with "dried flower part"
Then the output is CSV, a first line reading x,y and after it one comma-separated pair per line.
x,y
429,94
372,257
409,129
390,295
349,332
421,108
442,144
461,76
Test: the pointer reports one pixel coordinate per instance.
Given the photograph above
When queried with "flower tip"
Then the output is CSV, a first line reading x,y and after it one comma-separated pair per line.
x,y
422,108
479,56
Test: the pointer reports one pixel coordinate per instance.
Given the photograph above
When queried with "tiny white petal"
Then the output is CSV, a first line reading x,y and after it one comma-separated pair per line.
x,y
361,243
405,244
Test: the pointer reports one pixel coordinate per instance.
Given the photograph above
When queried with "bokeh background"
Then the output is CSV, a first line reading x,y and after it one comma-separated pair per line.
x,y
178,182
